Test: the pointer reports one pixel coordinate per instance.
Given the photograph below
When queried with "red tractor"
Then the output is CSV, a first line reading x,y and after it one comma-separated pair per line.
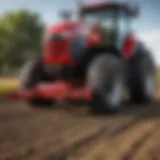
x,y
95,59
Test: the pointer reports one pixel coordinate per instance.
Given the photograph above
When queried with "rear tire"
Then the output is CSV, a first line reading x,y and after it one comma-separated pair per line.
x,y
32,73
143,85
106,81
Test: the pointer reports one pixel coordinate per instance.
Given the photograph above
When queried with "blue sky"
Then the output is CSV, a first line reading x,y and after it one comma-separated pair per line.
x,y
147,26
149,18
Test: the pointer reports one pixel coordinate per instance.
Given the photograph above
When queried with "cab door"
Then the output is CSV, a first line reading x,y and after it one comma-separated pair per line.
x,y
126,42
123,27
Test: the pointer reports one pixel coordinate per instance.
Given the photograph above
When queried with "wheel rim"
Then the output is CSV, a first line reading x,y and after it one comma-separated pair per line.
x,y
115,96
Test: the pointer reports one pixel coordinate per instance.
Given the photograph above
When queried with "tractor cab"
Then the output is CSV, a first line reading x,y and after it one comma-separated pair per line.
x,y
113,19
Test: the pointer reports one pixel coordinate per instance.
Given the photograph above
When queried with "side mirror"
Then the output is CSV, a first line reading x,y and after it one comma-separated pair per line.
x,y
134,11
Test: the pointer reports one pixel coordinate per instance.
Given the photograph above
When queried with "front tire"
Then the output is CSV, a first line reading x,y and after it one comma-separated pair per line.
x,y
32,73
106,81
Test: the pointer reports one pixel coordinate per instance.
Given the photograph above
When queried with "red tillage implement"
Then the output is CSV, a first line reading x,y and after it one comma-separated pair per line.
x,y
57,90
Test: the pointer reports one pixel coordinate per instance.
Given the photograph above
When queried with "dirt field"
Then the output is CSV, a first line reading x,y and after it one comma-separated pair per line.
x,y
69,133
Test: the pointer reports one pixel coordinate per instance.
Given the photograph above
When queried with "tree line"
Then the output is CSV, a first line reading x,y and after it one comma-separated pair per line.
x,y
21,34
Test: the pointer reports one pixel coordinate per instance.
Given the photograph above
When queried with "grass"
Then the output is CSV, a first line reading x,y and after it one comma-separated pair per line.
x,y
8,84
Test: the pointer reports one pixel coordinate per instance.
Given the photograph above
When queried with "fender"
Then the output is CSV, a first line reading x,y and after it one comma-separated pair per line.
x,y
129,47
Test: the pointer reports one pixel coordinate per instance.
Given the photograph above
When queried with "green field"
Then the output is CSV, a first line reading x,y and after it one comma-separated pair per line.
x,y
8,84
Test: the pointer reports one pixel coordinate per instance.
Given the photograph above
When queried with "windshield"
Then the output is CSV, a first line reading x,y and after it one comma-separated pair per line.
x,y
106,18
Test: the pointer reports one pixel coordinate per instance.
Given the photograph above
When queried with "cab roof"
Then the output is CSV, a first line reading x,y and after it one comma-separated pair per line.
x,y
113,5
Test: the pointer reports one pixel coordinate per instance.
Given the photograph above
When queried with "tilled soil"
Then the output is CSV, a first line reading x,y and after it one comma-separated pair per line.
x,y
68,132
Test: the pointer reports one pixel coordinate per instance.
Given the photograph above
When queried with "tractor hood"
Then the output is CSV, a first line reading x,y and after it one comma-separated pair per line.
x,y
66,28
90,31
65,42
72,28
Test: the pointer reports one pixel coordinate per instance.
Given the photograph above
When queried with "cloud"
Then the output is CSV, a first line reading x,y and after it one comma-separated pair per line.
x,y
151,39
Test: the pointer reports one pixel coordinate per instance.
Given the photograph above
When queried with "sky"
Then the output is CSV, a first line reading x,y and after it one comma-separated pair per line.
x,y
146,27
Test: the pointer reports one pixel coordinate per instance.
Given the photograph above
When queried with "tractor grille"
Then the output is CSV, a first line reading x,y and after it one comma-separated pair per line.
x,y
57,45
58,48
